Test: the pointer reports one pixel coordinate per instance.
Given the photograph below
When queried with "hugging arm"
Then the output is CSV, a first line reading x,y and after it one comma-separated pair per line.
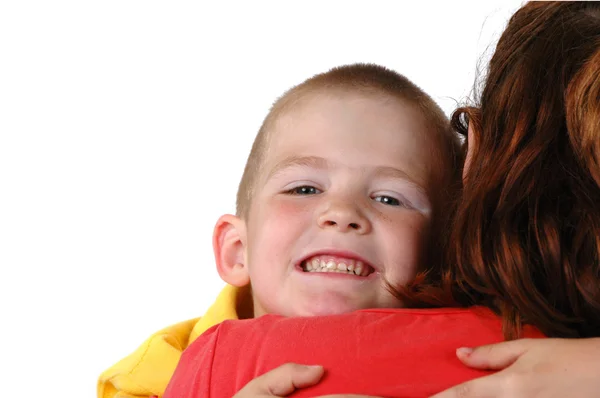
x,y
533,368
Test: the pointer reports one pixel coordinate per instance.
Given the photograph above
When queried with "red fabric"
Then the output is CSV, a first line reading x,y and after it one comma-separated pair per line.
x,y
383,352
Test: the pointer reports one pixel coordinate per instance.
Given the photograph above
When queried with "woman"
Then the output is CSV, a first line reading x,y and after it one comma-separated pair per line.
x,y
526,236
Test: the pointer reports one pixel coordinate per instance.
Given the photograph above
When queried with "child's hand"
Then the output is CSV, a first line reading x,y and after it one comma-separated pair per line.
x,y
533,368
284,380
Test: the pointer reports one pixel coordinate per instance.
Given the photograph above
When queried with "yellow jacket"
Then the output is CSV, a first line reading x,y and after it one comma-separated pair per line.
x,y
147,371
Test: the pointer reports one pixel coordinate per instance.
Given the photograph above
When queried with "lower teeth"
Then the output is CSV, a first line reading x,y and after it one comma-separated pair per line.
x,y
329,270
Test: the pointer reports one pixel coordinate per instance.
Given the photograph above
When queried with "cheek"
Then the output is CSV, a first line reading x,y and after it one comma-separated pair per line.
x,y
279,221
407,237
407,225
284,209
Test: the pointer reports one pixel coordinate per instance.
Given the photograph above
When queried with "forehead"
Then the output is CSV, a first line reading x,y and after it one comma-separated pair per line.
x,y
354,129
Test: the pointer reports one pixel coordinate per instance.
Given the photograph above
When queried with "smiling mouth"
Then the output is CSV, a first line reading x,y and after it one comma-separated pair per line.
x,y
336,265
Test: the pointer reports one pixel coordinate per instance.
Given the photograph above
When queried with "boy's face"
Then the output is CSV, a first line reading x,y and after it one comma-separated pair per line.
x,y
344,187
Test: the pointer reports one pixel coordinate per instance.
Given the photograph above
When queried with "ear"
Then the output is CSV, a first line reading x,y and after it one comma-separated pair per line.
x,y
229,246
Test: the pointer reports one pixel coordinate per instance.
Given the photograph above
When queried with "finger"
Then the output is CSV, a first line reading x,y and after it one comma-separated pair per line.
x,y
483,387
494,356
284,380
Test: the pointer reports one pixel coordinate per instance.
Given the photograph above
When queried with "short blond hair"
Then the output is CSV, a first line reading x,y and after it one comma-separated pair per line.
x,y
366,79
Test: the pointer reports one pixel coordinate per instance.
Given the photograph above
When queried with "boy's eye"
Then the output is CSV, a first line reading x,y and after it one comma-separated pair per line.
x,y
304,190
388,200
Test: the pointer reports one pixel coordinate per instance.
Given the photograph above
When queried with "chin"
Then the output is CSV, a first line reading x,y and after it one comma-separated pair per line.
x,y
329,307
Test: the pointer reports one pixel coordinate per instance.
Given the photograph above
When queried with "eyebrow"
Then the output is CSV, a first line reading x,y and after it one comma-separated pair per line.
x,y
392,172
302,161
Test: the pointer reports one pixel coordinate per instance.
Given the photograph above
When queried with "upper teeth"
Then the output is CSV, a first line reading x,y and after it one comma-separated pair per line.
x,y
329,265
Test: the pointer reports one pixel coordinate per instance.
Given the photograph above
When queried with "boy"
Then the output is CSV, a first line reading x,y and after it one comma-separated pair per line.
x,y
339,201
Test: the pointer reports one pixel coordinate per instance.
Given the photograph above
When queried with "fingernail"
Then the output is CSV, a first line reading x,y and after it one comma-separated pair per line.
x,y
464,351
314,366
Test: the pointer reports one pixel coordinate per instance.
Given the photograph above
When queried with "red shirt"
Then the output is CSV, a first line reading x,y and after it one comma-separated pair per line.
x,y
382,352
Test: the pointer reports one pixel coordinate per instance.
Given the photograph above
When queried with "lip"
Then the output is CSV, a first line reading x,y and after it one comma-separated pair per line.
x,y
338,253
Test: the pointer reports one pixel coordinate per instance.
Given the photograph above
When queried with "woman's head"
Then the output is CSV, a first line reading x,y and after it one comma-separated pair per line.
x,y
526,237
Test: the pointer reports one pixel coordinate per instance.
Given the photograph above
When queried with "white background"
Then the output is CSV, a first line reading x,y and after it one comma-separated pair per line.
x,y
124,129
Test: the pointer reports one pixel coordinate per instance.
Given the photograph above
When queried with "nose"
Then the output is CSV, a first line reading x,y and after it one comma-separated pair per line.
x,y
345,217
